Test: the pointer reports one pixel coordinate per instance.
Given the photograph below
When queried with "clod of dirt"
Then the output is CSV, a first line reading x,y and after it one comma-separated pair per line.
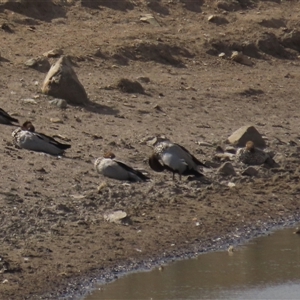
x,y
269,44
62,82
227,169
128,86
239,57
272,23
244,134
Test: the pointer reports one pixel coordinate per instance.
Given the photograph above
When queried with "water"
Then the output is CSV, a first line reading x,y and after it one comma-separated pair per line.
x,y
266,268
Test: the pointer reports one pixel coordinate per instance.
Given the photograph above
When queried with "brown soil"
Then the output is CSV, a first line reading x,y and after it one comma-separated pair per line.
x,y
52,226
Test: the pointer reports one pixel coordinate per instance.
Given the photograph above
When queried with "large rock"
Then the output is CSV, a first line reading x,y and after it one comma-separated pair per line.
x,y
244,134
62,82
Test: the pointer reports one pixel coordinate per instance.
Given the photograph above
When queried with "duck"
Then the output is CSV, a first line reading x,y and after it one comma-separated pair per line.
x,y
174,158
6,119
27,138
250,155
110,167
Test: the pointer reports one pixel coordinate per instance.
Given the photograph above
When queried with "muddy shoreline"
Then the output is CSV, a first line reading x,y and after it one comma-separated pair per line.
x,y
79,288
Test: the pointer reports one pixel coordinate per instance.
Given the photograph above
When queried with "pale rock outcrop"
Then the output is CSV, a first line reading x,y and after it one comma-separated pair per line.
x,y
62,82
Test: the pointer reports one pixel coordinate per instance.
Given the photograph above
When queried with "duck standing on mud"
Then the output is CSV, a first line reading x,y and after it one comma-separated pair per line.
x,y
250,155
174,158
5,118
25,137
110,167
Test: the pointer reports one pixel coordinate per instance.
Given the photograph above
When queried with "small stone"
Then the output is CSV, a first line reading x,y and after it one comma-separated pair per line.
x,y
102,186
239,57
297,231
230,249
219,20
31,62
250,171
29,101
227,169
222,55
118,217
53,53
230,149
149,18
231,184
61,103
224,156
205,144
56,120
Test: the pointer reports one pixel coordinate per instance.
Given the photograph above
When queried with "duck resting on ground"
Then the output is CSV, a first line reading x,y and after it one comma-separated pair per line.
x,y
25,137
5,118
250,155
110,167
174,158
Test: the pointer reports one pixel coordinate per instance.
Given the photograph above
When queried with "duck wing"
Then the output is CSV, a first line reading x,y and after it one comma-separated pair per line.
x,y
131,170
52,141
195,160
4,115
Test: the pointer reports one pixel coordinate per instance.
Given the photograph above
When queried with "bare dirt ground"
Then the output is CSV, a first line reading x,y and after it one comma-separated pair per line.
x,y
52,227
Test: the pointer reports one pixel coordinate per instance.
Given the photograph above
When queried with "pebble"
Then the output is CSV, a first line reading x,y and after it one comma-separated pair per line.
x,y
61,103
56,120
29,101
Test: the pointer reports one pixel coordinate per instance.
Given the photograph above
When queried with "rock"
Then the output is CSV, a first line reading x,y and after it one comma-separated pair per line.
x,y
29,101
239,57
219,20
231,184
222,55
250,171
53,53
62,82
291,40
143,79
56,120
224,156
227,169
230,149
128,86
148,18
61,103
204,144
39,63
118,217
244,134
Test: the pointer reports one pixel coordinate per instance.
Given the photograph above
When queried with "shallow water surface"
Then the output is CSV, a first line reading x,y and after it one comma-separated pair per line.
x,y
266,268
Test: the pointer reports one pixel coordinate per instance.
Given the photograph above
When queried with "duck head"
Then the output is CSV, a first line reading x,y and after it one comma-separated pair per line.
x,y
28,126
110,155
154,163
250,146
